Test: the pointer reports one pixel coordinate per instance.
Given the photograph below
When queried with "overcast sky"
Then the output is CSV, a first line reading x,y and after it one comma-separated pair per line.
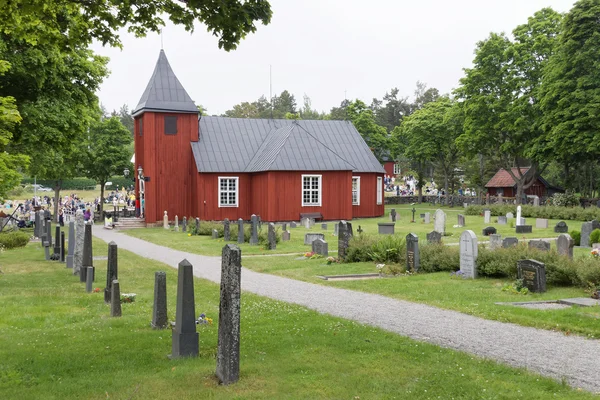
x,y
322,48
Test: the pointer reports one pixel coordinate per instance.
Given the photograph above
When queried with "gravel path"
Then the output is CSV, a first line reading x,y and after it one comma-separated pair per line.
x,y
573,358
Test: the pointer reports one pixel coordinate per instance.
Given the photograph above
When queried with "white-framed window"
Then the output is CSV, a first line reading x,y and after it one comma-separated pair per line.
x,y
311,190
228,191
356,190
379,190
397,169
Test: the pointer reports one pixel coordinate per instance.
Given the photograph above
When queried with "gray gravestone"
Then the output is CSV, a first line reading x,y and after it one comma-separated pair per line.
x,y
284,228
62,247
523,228
564,245
468,254
292,224
586,230
272,237
285,236
434,237
461,220
386,228
228,348
495,241
320,246
49,232
253,230
393,215
413,259
533,274
427,218
439,222
197,225
345,234
561,227
502,220
159,310
89,280
487,216
523,221
57,242
305,222
240,231
165,220
184,224
490,230
38,224
310,237
226,230
536,201
215,234
336,228
78,250
115,300
539,244
519,219
71,245
88,257
324,227
176,223
112,270
510,215
510,242
185,337
46,239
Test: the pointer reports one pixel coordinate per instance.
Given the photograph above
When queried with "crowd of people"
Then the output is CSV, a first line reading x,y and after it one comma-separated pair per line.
x,y
407,186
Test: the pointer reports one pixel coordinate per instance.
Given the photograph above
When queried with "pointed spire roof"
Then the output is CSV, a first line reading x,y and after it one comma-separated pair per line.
x,y
164,92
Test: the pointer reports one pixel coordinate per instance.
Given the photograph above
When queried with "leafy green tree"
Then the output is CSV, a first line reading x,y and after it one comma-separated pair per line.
x,y
424,95
390,114
126,118
283,104
363,119
106,152
339,113
307,112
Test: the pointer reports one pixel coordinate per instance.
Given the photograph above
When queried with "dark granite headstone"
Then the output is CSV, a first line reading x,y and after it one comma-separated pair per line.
x,y
38,224
490,230
71,245
539,244
185,337
226,230
393,215
49,233
434,237
62,247
561,227
57,241
386,228
509,242
253,230
523,229
228,348
240,231
159,310
533,274
87,253
112,270
344,236
413,260
271,237
461,220
564,245
115,299
89,280
320,246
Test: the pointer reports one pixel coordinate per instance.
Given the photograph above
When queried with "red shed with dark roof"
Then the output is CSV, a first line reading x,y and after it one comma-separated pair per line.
x,y
503,184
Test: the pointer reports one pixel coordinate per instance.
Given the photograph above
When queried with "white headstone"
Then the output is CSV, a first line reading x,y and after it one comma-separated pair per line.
x,y
510,215
541,223
487,216
519,222
468,254
427,218
166,221
439,222
176,223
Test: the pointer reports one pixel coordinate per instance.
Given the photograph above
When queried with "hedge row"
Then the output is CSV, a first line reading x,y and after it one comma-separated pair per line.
x,y
67,184
12,240
206,229
549,212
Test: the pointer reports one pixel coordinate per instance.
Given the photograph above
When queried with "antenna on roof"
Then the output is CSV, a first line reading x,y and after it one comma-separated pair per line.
x,y
161,39
271,89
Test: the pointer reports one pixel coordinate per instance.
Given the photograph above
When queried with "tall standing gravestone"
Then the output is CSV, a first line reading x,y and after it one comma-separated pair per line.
x,y
185,337
468,254
228,348
176,223
461,220
197,225
519,220
79,234
393,215
184,224
115,299
159,310
487,216
38,223
439,222
254,230
47,239
272,237
71,245
166,220
240,231
112,270
88,257
57,242
226,230
586,230
564,245
345,234
427,218
533,274
434,237
62,247
413,259
320,246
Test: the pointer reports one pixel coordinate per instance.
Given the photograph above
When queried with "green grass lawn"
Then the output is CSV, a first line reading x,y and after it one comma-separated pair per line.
x,y
475,297
59,342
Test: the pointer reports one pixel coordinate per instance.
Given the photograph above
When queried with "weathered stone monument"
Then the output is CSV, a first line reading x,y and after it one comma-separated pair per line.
x,y
166,220
468,254
561,227
79,235
427,218
320,246
439,222
461,220
71,245
215,234
197,225
510,242
240,238
495,241
311,237
285,236
413,259
533,274
345,234
539,245
88,257
37,231
159,310
112,270
434,237
386,228
62,247
253,230
293,224
519,221
89,280
226,230
57,243
564,245
115,300
185,337
272,237
228,347
184,224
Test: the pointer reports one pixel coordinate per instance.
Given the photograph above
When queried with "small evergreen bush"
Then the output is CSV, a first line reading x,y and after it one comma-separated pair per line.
x,y
595,236
12,240
576,236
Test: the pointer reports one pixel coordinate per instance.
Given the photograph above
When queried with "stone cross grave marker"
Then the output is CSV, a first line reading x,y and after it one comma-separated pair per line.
x,y
533,274
320,246
159,309
240,238
226,230
413,259
487,216
184,224
115,300
344,236
427,218
272,237
176,223
495,241
502,220
561,227
166,221
71,245
359,230
519,221
185,338
510,242
564,245
310,237
112,270
228,347
434,237
88,257
461,220
539,244
439,222
253,230
468,254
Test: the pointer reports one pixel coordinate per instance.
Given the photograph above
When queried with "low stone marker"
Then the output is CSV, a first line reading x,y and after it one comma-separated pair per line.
x,y
215,234
495,241
253,230
468,254
115,300
461,220
228,347
166,221
523,228
185,337
533,274
413,259
386,228
510,215
71,245
272,237
159,310
88,257
226,230
241,238
564,245
292,224
490,230
561,227
320,246
434,237
539,244
510,242
285,236
112,270
345,234
487,216
324,226
89,280
310,237
502,220
541,223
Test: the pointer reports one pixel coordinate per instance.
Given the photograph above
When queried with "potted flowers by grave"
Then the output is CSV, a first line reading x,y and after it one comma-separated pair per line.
x,y
127,297
204,320
330,260
595,253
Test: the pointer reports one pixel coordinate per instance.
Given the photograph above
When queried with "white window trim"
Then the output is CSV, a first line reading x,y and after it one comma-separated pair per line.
x,y
379,190
320,190
357,191
397,169
237,191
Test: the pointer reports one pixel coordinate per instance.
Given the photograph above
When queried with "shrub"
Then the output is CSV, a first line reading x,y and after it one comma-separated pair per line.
x,y
548,212
359,248
384,249
13,240
576,236
437,257
67,184
595,236
564,199
588,272
206,229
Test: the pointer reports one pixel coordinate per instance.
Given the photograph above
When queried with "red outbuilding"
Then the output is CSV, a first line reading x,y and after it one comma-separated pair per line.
x,y
503,184
216,167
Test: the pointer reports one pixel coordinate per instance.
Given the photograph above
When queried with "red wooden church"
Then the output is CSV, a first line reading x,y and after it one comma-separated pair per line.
x,y
217,167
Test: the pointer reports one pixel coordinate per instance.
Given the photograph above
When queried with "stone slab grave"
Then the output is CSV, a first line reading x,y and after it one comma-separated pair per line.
x,y
184,336
310,237
320,246
434,237
352,277
586,230
533,274
468,254
564,245
541,223
510,242
523,229
539,244
561,227
537,305
285,236
439,221
581,301
502,220
413,259
490,230
386,228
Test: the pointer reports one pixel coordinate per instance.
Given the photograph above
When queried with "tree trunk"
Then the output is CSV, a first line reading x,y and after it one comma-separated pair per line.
x,y
519,193
420,194
57,187
102,183
446,186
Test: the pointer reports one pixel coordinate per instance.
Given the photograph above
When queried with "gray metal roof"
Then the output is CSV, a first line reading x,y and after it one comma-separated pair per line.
x,y
253,145
164,92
